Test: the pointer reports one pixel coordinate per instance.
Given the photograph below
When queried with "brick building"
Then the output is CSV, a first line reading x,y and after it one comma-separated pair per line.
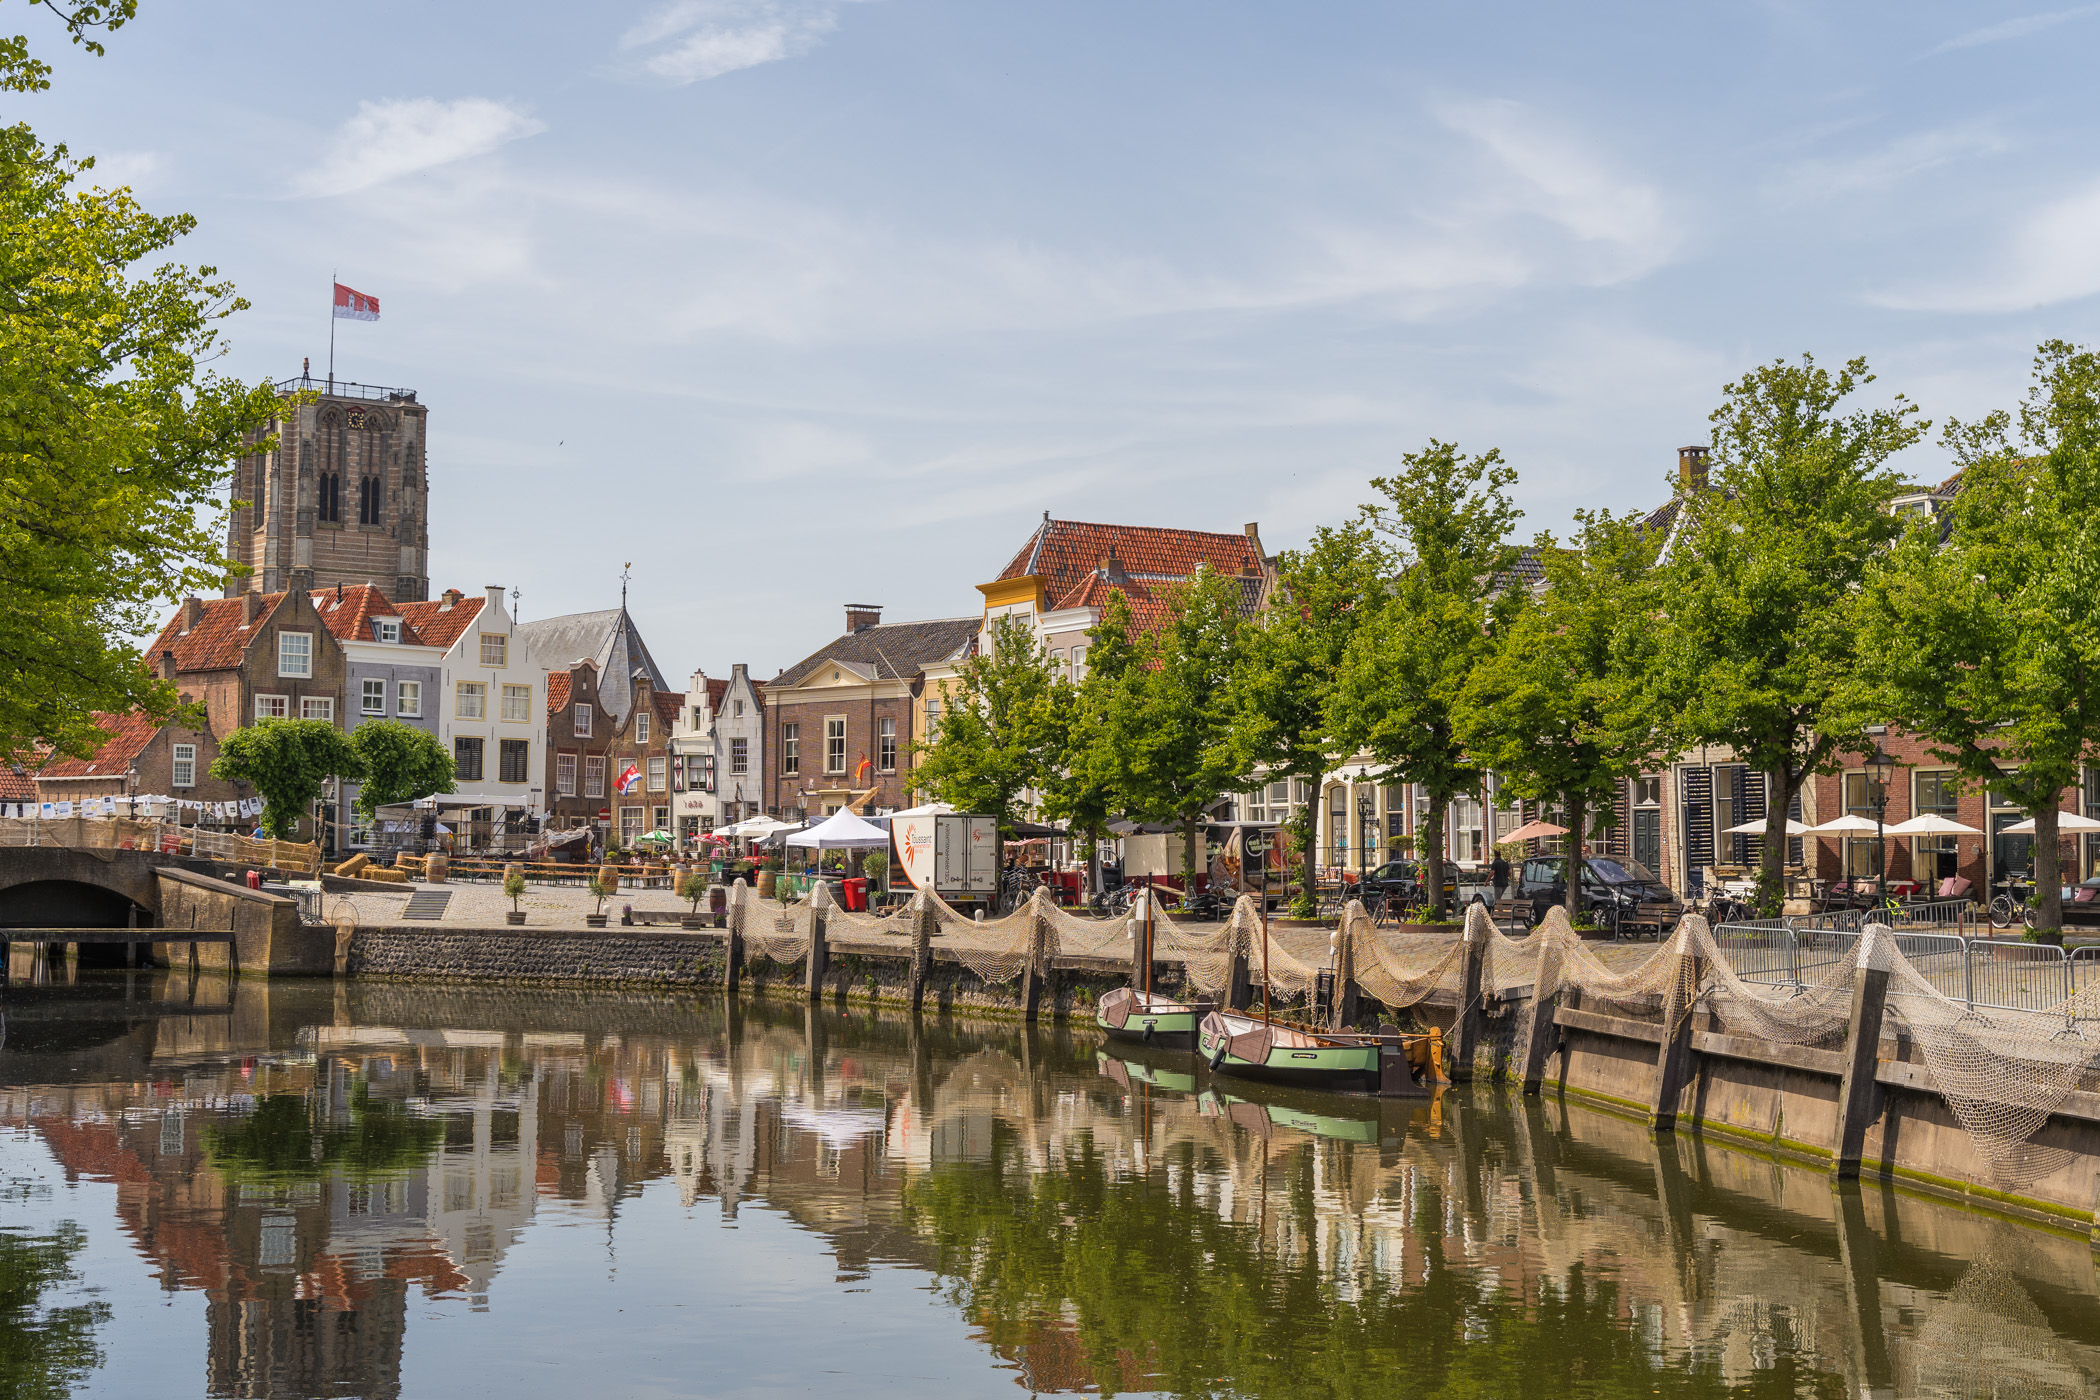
x,y
140,758
642,745
580,734
839,722
342,498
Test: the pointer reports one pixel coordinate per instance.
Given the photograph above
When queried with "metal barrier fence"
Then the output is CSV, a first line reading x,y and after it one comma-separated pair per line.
x,y
1981,972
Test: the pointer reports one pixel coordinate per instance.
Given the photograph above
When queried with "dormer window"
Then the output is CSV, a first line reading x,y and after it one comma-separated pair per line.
x,y
641,727
386,629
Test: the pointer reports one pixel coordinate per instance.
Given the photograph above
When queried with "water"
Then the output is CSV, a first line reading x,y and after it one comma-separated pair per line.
x,y
381,1190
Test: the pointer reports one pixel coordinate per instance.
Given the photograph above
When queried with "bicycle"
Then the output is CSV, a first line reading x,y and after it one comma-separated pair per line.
x,y
2011,909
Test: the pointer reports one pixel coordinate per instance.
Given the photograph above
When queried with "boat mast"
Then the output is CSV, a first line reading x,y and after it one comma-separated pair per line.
x,y
1148,947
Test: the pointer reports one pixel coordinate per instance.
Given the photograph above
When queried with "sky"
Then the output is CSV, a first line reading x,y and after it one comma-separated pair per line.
x,y
793,303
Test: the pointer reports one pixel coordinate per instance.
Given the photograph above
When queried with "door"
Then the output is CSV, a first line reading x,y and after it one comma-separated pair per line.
x,y
1648,837
982,872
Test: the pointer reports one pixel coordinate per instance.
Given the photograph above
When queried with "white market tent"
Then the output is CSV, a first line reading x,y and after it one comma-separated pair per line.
x,y
842,831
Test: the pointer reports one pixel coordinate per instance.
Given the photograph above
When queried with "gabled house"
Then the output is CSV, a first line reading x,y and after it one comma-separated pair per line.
x,y
608,639
839,722
489,711
141,758
580,733
389,671
638,760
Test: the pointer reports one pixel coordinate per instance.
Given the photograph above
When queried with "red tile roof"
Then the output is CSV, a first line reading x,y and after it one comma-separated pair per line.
x,y
218,640
17,780
557,691
668,703
716,689
128,737
348,613
440,626
1062,552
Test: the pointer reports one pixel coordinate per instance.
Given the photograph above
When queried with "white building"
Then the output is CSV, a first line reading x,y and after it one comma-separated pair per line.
x,y
717,752
491,710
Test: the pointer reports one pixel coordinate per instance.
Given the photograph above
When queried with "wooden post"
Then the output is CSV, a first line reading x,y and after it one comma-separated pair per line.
x,y
1239,992
1466,1030
1345,989
1545,1035
733,944
1859,1097
1673,1058
1873,1368
819,959
922,918
1139,954
1038,971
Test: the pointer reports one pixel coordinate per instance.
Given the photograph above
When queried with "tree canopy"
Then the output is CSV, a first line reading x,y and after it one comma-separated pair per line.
x,y
401,764
287,761
998,729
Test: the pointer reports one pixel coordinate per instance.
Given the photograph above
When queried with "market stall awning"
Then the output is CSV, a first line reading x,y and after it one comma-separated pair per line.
x,y
840,832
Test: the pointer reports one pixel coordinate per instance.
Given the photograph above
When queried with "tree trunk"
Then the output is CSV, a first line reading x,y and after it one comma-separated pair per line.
x,y
2048,886
1780,788
1433,855
1577,810
1308,848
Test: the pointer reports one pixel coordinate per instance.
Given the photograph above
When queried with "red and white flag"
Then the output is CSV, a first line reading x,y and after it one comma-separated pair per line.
x,y
355,306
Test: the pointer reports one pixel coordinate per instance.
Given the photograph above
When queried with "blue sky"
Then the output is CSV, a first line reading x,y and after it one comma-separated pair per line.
x,y
793,302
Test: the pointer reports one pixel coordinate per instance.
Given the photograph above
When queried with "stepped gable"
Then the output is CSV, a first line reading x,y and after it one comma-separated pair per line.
x,y
890,650
128,737
442,623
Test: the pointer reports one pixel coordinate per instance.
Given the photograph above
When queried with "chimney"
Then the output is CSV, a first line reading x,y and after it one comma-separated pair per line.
x,y
1112,569
449,599
192,612
495,607
167,665
1252,529
861,616
251,604
1691,468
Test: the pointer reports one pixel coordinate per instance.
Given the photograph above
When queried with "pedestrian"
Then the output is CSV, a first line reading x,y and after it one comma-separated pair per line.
x,y
1498,870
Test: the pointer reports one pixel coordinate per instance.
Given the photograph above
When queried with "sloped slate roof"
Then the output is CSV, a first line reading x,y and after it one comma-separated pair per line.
x,y
609,638
891,650
1062,552
218,640
440,626
128,737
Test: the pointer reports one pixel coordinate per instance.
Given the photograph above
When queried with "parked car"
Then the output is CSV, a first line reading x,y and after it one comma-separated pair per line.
x,y
2082,904
1404,878
1612,891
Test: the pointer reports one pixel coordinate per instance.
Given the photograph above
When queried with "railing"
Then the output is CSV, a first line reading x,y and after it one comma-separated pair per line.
x,y
344,388
1998,975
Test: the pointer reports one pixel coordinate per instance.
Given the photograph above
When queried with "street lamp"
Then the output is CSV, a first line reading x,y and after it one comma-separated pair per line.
x,y
1366,809
1880,768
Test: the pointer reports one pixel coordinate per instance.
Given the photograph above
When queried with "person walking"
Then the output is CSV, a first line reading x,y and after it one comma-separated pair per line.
x,y
1498,870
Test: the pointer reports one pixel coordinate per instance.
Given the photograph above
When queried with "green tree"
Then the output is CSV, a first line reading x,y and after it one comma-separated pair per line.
x,y
115,441
46,1346
287,761
1757,644
996,729
1555,708
1984,643
1163,742
1400,692
1078,787
1289,661
401,763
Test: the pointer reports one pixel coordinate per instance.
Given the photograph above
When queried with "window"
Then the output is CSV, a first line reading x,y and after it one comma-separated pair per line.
x,y
517,702
512,761
317,707
495,649
886,745
473,701
933,718
641,726
739,709
1934,794
374,701
466,759
184,772
739,755
660,819
386,629
594,775
631,827
699,717
408,700
657,780
1648,792
295,653
565,775
790,749
835,744
272,706
1078,664
1057,663
368,500
328,500
580,722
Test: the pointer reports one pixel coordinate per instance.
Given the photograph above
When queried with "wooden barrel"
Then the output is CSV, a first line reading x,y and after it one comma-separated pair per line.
x,y
766,882
436,866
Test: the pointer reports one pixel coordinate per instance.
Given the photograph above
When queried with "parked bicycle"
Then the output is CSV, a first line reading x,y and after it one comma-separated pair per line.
x,y
2013,907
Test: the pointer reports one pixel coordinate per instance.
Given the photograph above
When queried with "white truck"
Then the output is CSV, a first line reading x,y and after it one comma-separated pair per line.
x,y
957,855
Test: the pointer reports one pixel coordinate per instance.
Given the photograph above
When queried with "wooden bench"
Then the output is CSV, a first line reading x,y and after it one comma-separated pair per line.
x,y
1650,915
1513,914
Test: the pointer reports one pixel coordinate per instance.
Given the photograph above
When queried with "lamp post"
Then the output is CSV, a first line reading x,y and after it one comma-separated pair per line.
x,y
1879,768
1366,809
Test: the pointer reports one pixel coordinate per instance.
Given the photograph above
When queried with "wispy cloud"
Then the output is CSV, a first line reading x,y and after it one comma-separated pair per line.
x,y
2018,28
387,140
691,41
1890,165
2045,259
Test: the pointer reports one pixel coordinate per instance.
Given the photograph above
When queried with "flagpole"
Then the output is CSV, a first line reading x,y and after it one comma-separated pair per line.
x,y
331,332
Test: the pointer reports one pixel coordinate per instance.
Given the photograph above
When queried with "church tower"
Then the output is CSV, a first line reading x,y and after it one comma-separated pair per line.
x,y
340,499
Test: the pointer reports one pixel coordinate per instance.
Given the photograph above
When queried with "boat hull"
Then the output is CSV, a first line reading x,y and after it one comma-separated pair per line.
x,y
1290,1060
1137,1018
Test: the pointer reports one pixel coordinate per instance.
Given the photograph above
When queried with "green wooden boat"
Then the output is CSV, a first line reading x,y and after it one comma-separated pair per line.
x,y
1129,1072
1214,1104
1275,1053
1129,1014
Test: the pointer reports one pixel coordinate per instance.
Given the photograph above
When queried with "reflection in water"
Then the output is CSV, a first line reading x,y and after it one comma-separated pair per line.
x,y
45,1346
1094,1220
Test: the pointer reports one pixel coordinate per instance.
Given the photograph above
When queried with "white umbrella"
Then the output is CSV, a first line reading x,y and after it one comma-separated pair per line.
x,y
2065,821
1862,825
1930,825
839,832
1757,828
755,826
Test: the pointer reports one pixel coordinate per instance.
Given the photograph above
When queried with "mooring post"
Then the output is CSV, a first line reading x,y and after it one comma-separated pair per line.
x,y
1673,1058
1345,991
1859,1097
1544,1034
1239,990
1139,953
1037,972
1466,1029
733,942
819,956
922,918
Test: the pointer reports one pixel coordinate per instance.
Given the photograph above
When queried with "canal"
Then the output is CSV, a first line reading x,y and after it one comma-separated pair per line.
x,y
380,1189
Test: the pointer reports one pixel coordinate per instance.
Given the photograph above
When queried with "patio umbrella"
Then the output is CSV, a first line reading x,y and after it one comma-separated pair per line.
x,y
2065,821
1930,825
657,835
1757,828
1532,831
1863,826
756,826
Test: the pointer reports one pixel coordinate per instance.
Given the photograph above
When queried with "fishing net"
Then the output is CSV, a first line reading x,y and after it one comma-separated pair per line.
x,y
773,932
1207,955
1400,977
1082,935
997,950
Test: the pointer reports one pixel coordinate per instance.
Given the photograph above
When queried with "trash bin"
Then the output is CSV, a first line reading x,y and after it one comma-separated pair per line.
x,y
854,895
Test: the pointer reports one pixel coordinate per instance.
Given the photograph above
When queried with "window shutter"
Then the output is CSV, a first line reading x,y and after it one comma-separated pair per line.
x,y
1698,785
1793,843
1622,819
1750,801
